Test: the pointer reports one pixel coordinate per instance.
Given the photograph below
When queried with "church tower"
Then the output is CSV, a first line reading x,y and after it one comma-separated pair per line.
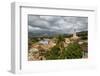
x,y
74,37
74,33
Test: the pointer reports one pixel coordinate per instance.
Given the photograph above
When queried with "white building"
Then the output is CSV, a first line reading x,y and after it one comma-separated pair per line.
x,y
44,42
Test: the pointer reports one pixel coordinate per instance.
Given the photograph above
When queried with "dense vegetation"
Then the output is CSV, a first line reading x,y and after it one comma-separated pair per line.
x,y
73,51
83,35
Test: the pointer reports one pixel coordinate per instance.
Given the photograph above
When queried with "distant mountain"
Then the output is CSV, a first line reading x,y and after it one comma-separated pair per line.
x,y
43,33
82,33
50,34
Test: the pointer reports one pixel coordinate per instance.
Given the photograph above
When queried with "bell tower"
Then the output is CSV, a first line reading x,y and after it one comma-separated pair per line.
x,y
74,33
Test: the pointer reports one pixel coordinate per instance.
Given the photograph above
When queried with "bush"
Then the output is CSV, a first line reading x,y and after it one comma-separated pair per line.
x,y
73,51
53,53
84,37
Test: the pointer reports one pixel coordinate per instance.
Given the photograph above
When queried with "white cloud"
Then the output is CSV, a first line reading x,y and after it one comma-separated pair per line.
x,y
33,28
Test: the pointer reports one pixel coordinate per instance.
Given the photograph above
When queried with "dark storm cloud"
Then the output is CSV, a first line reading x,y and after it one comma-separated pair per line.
x,y
57,23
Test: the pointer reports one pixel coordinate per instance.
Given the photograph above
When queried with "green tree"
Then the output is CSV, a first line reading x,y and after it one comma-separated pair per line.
x,y
54,53
73,51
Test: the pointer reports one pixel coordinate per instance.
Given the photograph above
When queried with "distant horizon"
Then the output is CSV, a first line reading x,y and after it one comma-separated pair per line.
x,y
47,35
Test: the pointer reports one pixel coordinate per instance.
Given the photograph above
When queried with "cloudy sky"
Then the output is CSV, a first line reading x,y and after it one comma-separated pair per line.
x,y
59,24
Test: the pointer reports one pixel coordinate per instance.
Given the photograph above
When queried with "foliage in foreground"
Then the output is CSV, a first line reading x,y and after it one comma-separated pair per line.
x,y
72,51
